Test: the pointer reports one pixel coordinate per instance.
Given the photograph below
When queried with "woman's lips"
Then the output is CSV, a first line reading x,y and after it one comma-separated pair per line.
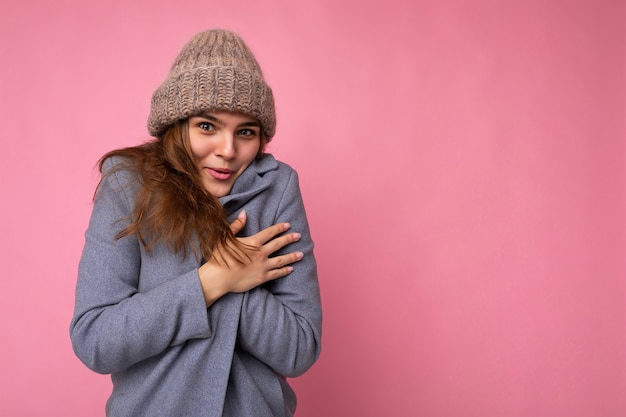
x,y
221,174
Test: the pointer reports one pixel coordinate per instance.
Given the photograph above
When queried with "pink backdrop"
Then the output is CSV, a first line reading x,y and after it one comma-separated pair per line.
x,y
463,164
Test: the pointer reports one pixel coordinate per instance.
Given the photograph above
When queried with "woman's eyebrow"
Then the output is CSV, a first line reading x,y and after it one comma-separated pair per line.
x,y
212,118
251,123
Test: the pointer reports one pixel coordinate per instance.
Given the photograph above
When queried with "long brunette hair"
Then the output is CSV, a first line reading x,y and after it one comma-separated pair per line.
x,y
172,205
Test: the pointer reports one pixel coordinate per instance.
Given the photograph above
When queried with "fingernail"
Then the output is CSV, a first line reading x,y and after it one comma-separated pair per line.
x,y
299,255
296,236
241,214
289,269
287,226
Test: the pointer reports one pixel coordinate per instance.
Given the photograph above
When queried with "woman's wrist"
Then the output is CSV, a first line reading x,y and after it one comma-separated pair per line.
x,y
212,287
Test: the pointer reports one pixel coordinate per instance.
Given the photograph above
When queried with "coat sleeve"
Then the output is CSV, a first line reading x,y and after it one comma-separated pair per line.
x,y
115,325
281,322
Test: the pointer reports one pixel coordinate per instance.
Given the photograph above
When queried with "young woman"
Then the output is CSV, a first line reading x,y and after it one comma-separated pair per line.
x,y
197,288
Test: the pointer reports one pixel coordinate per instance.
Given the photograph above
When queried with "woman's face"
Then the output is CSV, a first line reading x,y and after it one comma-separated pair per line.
x,y
223,144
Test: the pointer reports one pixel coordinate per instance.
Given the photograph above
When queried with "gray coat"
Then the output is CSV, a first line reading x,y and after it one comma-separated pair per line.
x,y
142,318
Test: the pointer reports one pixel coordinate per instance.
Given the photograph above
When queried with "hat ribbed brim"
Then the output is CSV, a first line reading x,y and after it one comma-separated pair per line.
x,y
210,89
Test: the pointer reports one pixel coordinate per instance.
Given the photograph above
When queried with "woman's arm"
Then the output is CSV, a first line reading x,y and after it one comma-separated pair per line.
x,y
114,325
281,321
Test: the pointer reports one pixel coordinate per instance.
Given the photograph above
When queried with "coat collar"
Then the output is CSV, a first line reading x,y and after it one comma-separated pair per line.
x,y
250,183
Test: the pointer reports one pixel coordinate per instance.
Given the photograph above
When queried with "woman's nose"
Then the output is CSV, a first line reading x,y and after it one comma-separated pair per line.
x,y
226,146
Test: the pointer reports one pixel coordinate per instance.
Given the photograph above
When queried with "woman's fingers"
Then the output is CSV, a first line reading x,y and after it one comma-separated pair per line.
x,y
282,265
268,234
222,273
279,243
238,224
266,240
279,272
281,261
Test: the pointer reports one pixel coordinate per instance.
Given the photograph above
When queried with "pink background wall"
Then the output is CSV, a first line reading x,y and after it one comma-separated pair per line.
x,y
463,163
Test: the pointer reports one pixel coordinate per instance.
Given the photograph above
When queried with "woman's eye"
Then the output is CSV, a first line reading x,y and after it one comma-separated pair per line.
x,y
206,126
247,132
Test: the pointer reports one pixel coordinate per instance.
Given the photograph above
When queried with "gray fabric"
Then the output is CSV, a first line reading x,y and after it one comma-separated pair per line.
x,y
142,317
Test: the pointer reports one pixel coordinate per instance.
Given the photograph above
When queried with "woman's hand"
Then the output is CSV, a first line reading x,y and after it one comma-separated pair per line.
x,y
223,273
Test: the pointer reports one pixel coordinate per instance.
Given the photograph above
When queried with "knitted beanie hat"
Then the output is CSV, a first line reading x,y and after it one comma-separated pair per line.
x,y
214,71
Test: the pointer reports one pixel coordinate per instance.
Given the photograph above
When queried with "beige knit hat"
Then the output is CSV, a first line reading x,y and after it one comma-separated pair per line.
x,y
214,71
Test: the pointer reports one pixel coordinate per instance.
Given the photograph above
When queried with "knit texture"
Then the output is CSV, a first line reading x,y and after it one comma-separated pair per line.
x,y
214,71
